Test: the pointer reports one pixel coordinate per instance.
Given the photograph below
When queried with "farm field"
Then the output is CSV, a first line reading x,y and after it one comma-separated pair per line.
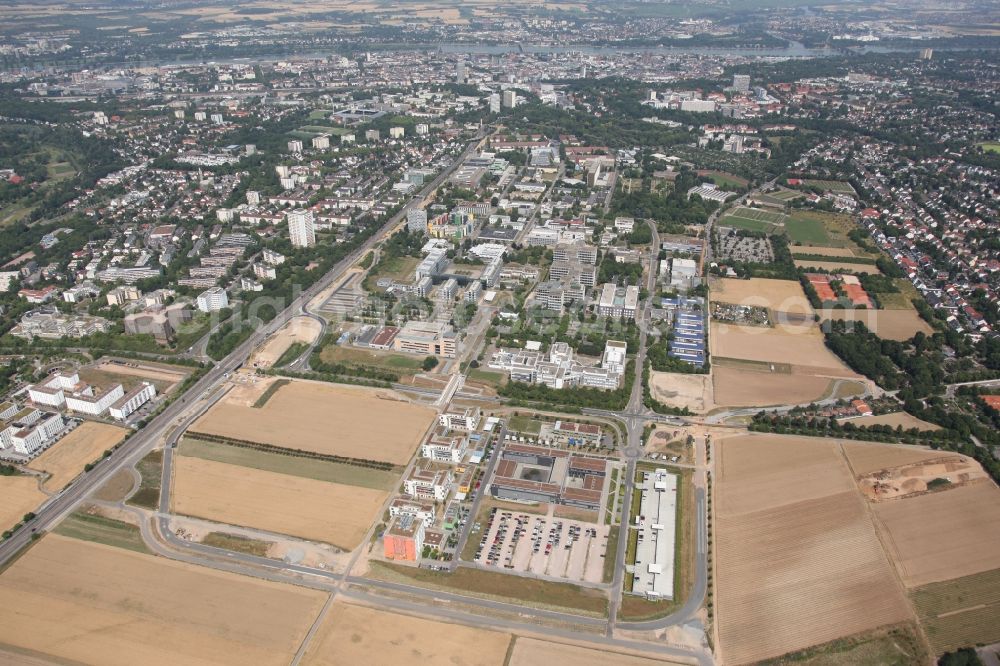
x,y
888,324
847,266
20,496
531,651
332,513
866,458
682,390
353,634
831,185
960,612
297,330
942,535
778,295
70,599
899,645
800,346
903,419
806,230
65,459
308,468
735,387
338,420
826,229
798,560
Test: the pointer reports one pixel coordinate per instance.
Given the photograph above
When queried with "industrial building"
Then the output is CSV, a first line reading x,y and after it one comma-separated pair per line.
x,y
540,474
653,569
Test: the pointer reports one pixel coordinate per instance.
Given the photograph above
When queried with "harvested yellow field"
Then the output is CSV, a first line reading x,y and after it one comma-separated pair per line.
x,y
682,390
945,534
800,346
834,265
778,295
358,635
735,387
297,330
65,459
81,601
903,419
373,424
530,652
889,324
798,559
280,503
866,458
20,495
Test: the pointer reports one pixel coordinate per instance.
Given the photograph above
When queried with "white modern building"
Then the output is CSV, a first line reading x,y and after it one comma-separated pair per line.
x,y
132,401
88,402
465,420
618,301
27,438
653,569
213,299
429,485
301,227
440,448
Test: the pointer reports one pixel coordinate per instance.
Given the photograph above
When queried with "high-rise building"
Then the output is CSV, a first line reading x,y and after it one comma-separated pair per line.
x,y
510,99
741,82
926,54
416,220
301,228
213,299
494,103
461,75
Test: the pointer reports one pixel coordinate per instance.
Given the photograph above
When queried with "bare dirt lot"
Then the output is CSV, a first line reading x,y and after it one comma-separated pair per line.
x,y
798,559
903,419
778,295
889,324
20,495
298,329
682,390
943,535
130,373
734,387
374,424
78,600
358,635
65,459
280,503
531,652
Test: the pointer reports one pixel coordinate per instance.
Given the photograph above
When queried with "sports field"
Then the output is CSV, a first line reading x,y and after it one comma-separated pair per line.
x,y
329,512
359,635
798,562
753,219
65,459
80,601
374,424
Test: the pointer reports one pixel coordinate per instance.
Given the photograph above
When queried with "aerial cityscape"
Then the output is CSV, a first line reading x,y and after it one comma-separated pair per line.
x,y
545,332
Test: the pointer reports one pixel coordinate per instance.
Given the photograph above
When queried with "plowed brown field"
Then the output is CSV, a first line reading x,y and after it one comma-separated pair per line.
x,y
798,559
943,535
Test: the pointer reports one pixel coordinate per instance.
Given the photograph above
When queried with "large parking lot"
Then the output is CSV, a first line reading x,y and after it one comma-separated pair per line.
x,y
554,547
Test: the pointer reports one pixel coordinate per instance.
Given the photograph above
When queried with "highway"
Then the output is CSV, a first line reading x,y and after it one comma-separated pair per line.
x,y
143,441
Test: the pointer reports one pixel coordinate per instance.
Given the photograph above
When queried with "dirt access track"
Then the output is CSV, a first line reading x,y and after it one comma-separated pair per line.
x,y
374,424
77,600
